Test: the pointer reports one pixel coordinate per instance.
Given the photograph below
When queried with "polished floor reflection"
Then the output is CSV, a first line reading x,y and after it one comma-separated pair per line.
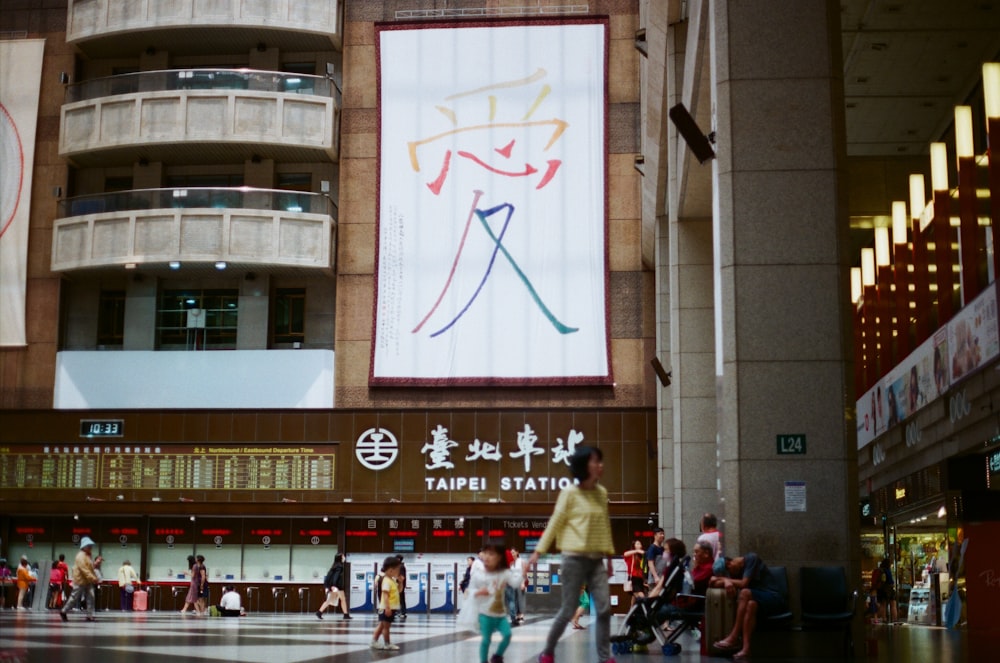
x,y
158,637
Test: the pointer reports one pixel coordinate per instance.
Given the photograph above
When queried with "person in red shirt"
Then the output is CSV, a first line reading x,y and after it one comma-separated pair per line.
x,y
701,574
635,567
56,579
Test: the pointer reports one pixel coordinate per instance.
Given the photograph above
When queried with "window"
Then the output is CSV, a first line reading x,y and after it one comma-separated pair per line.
x,y
216,191
289,315
197,319
304,84
115,184
111,318
294,202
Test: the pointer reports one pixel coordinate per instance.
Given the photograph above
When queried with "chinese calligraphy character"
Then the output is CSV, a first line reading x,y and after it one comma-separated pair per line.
x,y
561,453
526,440
484,450
438,449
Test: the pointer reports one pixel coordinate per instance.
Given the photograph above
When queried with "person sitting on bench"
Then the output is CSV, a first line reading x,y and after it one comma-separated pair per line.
x,y
693,600
750,580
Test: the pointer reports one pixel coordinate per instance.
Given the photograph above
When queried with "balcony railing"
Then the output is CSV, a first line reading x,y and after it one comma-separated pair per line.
x,y
309,25
173,115
199,197
201,79
201,226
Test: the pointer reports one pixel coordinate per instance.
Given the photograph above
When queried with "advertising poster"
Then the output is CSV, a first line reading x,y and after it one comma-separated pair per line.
x,y
491,256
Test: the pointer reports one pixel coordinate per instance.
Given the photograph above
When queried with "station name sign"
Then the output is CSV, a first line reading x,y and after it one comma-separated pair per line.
x,y
377,449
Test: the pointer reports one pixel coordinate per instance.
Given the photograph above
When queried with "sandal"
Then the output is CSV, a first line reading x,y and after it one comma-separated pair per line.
x,y
725,646
577,626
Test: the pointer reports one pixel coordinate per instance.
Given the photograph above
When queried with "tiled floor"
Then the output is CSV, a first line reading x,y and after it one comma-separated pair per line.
x,y
158,637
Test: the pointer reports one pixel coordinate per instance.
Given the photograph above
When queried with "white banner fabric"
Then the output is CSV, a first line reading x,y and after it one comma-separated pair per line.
x,y
20,85
491,261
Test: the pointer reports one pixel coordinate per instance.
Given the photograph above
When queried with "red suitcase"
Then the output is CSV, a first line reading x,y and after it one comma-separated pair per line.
x,y
140,600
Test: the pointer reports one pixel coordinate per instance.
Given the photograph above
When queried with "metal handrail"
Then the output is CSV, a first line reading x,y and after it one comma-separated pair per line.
x,y
243,197
201,79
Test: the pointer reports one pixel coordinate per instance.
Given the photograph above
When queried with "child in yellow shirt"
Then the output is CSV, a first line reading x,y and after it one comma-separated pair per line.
x,y
388,602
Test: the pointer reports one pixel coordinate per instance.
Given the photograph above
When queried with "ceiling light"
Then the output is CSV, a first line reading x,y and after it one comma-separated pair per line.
x,y
939,167
221,265
991,88
175,264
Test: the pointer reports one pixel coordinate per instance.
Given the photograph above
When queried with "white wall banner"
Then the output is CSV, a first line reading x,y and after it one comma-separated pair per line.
x,y
20,84
491,259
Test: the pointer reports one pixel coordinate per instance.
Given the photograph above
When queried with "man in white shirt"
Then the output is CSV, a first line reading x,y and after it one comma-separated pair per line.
x,y
515,596
229,604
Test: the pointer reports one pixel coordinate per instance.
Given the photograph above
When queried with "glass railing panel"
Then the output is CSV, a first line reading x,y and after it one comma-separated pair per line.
x,y
199,197
200,79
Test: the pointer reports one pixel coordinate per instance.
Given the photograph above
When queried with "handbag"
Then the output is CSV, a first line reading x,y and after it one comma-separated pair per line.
x,y
627,585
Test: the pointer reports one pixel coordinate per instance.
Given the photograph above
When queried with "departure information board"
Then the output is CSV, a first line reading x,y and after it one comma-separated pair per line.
x,y
139,467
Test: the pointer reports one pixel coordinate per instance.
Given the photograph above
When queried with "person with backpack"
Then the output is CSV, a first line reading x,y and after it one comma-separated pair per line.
x,y
333,583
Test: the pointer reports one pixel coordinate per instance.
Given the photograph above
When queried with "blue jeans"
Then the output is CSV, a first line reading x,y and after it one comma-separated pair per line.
x,y
514,597
578,571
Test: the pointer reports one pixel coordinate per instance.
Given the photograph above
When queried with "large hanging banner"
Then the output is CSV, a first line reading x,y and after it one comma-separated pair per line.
x,y
20,83
491,258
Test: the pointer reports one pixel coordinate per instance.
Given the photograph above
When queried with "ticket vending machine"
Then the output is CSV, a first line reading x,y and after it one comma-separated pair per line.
x,y
362,589
416,588
442,594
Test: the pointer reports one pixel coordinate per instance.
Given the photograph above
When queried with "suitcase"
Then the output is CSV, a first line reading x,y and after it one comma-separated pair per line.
x,y
719,616
140,600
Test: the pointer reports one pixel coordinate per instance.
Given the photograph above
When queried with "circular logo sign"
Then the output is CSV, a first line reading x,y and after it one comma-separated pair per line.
x,y
170,538
218,540
266,540
376,449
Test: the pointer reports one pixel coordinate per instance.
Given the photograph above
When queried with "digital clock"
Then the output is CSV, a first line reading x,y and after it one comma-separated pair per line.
x,y
102,427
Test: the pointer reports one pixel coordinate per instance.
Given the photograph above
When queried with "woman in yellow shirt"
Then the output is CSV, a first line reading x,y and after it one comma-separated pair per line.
x,y
581,527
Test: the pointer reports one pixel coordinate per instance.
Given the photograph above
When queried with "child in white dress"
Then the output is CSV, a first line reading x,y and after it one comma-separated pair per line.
x,y
488,587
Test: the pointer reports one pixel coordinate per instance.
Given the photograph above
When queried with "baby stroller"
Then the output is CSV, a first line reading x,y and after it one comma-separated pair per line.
x,y
642,625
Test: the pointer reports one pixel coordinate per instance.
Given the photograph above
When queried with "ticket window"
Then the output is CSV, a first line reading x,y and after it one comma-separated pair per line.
x,y
168,562
311,562
223,562
171,540
120,539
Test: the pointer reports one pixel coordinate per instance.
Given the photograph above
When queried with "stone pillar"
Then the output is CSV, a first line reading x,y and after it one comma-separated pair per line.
x,y
693,462
140,313
254,319
782,284
693,352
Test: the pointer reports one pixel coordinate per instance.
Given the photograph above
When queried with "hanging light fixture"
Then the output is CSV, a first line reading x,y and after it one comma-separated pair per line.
x,y
882,246
867,266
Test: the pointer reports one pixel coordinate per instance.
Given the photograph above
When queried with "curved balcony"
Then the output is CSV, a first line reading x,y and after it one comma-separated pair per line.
x,y
174,114
113,28
244,228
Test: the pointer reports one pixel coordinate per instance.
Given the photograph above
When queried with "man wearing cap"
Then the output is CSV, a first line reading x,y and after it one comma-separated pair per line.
x,y
84,579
